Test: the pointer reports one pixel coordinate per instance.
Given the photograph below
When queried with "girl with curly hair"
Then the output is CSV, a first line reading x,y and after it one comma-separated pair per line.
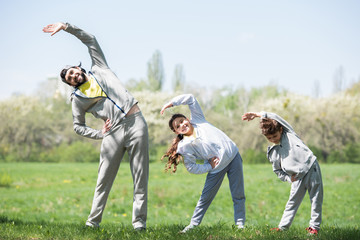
x,y
295,163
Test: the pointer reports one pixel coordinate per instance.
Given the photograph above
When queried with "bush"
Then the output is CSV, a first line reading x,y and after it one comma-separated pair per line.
x,y
318,153
5,180
74,152
254,156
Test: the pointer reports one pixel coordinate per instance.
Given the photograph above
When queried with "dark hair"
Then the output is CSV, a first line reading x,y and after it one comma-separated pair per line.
x,y
269,126
174,158
66,68
173,117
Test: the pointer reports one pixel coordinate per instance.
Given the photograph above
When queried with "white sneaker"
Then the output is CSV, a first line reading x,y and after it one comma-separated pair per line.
x,y
240,226
91,225
188,227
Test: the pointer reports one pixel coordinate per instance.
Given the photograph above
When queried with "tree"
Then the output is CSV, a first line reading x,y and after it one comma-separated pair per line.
x,y
339,79
178,80
316,89
155,72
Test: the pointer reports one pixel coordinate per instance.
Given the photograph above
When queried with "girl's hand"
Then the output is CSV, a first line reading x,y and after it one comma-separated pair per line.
x,y
54,28
214,162
168,105
106,126
250,116
293,178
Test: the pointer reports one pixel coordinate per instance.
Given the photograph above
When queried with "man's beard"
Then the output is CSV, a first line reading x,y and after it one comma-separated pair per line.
x,y
83,80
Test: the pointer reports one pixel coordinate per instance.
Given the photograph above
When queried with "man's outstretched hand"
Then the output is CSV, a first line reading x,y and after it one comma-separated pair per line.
x,y
54,28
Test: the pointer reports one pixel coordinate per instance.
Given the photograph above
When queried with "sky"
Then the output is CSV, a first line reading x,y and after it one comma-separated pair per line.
x,y
296,45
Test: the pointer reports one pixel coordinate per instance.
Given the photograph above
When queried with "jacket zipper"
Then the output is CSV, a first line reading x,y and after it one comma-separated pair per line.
x,y
107,95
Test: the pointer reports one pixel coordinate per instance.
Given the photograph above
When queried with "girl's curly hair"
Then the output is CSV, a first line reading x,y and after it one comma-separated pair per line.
x,y
269,126
174,158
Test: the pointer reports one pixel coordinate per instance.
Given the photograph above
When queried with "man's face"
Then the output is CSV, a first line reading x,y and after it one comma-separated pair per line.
x,y
274,138
182,126
75,77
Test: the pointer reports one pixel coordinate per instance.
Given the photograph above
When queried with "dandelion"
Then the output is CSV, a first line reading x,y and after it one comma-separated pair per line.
x,y
67,181
124,214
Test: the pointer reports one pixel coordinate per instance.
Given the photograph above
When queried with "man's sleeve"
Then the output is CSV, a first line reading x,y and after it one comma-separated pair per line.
x,y
80,124
96,54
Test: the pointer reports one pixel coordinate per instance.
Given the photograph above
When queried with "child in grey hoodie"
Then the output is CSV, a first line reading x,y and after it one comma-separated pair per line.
x,y
293,162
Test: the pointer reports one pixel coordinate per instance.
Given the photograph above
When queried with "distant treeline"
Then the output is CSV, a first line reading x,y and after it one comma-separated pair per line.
x,y
39,128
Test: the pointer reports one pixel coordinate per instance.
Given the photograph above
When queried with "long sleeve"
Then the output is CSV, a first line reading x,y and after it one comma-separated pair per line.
x,y
283,176
193,167
279,119
79,124
96,54
197,116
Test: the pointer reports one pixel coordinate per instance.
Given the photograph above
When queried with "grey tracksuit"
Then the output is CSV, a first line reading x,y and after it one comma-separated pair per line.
x,y
128,133
211,142
293,157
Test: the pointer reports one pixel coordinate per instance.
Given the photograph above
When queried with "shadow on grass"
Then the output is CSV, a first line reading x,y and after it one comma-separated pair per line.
x,y
11,228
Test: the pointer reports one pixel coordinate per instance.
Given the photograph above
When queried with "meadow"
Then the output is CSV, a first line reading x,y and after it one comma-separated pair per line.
x,y
53,200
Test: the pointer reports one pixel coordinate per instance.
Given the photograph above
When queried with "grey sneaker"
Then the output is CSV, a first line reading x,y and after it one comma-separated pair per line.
x,y
188,227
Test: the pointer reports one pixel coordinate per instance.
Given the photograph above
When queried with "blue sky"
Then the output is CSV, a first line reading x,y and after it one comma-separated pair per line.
x,y
219,43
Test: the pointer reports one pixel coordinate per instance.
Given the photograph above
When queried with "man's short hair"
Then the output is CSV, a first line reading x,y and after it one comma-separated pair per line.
x,y
66,68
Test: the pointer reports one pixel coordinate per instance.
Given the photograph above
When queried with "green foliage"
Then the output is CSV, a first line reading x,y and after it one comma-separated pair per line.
x,y
178,81
74,152
5,179
155,72
350,153
35,129
253,156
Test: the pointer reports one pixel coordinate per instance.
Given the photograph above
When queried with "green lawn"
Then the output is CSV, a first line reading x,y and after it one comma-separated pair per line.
x,y
48,200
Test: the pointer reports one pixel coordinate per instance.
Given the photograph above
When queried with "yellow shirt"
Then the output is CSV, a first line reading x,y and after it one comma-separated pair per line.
x,y
91,88
193,136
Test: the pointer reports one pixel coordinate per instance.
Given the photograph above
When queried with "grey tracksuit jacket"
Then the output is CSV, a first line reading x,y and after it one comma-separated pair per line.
x,y
118,102
128,133
291,156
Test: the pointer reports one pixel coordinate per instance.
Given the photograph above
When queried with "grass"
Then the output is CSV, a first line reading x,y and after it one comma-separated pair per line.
x,y
52,201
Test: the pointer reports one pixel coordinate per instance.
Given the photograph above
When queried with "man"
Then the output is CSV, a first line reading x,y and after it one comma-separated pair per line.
x,y
101,93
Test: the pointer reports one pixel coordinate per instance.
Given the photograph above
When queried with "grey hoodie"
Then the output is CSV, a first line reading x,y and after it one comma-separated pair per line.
x,y
118,101
291,156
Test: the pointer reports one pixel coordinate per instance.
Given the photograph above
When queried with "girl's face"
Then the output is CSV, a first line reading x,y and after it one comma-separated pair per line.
x,y
182,126
274,138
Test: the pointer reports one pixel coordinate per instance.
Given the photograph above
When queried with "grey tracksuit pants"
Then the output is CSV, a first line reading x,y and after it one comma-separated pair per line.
x,y
311,182
212,184
130,135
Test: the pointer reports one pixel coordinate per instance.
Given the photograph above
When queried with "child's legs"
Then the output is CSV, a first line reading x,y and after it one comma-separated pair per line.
x,y
236,183
297,194
211,187
316,196
112,152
